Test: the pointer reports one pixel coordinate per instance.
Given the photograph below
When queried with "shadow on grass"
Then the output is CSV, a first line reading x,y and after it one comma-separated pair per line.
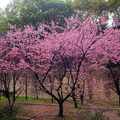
x,y
6,114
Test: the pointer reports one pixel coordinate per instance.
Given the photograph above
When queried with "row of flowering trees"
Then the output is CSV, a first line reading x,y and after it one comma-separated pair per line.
x,y
56,57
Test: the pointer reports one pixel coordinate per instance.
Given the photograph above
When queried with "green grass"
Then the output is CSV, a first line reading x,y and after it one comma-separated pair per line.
x,y
31,100
2,99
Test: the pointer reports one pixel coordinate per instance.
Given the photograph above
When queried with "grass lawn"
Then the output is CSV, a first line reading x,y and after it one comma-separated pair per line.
x,y
31,100
18,111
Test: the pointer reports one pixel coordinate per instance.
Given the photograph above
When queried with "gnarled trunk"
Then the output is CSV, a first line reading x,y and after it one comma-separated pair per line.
x,y
61,109
82,99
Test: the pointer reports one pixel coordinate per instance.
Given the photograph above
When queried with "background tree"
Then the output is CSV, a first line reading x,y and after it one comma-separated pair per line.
x,y
109,52
35,11
96,7
3,22
12,65
114,69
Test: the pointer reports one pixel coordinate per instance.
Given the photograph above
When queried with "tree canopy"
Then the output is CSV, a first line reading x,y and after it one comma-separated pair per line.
x,y
96,6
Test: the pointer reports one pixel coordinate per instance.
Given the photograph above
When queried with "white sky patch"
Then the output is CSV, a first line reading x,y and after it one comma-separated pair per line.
x,y
4,3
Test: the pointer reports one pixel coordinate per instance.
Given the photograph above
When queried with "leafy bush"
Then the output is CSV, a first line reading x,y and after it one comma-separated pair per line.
x,y
88,115
5,114
97,116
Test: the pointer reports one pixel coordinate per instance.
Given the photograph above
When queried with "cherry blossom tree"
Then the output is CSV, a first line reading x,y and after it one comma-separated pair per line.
x,y
56,59
56,56
108,54
12,64
61,54
9,76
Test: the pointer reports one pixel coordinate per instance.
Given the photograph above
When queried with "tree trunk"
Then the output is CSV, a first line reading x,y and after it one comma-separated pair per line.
x,y
13,95
82,99
26,89
74,100
37,93
119,100
10,105
0,96
61,109
52,99
37,96
11,108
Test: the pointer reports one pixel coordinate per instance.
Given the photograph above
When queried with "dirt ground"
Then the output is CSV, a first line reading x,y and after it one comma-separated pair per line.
x,y
50,111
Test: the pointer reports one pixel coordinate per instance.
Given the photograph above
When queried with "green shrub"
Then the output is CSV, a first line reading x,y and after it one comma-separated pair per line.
x,y
88,115
97,116
5,114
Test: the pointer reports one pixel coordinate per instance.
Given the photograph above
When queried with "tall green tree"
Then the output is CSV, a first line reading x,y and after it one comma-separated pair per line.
x,y
96,6
25,12
3,22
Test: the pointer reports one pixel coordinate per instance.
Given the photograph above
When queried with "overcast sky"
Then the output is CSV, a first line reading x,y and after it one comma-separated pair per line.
x,y
3,3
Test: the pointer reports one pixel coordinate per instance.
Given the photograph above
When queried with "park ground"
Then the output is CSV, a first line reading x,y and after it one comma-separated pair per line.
x,y
43,109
